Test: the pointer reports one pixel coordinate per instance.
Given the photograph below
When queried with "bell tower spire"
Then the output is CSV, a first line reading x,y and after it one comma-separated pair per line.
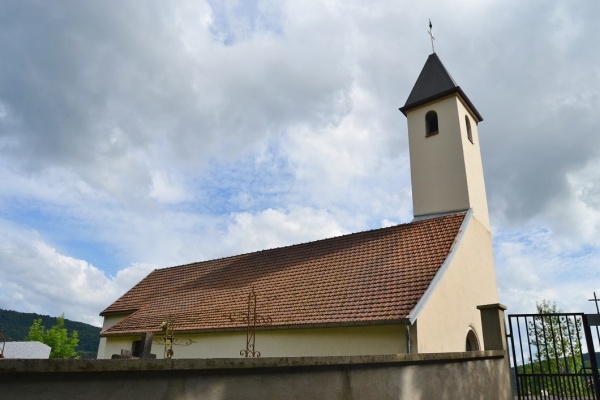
x,y
445,158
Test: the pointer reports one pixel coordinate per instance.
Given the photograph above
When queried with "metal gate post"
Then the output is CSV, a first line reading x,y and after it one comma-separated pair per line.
x,y
591,319
515,376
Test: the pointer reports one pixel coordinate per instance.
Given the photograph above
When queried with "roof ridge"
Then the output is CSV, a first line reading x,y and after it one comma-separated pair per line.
x,y
312,242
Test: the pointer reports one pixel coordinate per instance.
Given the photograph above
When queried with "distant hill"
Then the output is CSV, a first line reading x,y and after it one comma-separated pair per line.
x,y
15,326
586,358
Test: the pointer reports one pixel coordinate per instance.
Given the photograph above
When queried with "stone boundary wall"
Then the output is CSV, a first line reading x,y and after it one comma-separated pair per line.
x,y
473,375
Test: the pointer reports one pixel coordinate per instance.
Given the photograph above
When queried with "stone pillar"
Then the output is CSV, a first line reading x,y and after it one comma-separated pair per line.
x,y
494,327
494,338
147,345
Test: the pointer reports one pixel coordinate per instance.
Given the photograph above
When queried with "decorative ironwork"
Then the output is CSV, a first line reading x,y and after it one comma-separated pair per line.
x,y
177,341
430,31
168,337
547,355
596,300
252,320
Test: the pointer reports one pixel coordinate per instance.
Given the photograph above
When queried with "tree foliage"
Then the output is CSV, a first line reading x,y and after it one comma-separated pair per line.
x,y
15,326
557,339
555,342
61,343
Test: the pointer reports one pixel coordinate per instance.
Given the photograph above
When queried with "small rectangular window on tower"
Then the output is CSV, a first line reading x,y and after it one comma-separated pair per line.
x,y
469,133
431,123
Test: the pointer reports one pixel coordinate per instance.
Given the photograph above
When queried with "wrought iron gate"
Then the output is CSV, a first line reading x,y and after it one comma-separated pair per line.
x,y
553,356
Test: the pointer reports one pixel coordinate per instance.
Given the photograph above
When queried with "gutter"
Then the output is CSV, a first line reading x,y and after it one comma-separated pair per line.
x,y
408,341
243,328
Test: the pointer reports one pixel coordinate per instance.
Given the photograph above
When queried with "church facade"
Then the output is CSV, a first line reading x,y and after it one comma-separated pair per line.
x,y
410,288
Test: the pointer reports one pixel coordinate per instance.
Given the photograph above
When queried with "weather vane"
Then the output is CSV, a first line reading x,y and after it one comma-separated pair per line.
x,y
432,38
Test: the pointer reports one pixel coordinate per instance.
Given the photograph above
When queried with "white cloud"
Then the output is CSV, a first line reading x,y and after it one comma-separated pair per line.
x,y
40,279
535,264
37,278
168,188
188,130
274,228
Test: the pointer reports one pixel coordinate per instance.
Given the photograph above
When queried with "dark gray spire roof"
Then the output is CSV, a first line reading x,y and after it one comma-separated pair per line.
x,y
435,82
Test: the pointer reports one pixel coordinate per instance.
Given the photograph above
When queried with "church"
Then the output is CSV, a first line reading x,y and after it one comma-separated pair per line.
x,y
409,288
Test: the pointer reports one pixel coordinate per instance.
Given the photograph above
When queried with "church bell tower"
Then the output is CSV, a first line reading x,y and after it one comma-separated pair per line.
x,y
445,158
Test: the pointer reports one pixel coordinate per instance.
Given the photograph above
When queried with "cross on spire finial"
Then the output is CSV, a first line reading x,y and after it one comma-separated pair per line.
x,y
432,38
596,300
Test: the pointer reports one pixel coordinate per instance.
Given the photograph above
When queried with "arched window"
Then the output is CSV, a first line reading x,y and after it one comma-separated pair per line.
x,y
469,133
472,344
431,123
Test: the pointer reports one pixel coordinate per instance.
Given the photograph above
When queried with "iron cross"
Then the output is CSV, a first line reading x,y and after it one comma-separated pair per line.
x,y
432,38
596,300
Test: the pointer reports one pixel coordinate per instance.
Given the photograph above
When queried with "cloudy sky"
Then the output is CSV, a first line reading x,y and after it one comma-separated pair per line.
x,y
136,135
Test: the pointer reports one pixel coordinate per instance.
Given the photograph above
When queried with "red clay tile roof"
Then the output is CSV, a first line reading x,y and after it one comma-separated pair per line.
x,y
369,277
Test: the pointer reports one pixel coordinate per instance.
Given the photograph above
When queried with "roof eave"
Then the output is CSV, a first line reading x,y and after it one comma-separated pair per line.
x,y
401,321
457,89
108,313
413,315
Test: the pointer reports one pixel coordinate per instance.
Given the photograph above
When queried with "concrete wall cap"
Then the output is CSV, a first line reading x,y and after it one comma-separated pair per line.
x,y
20,366
497,306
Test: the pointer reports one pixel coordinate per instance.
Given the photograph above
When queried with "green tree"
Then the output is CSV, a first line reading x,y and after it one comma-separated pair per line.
x,y
556,344
62,345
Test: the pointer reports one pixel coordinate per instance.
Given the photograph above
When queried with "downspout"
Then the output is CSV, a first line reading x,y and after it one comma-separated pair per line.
x,y
408,344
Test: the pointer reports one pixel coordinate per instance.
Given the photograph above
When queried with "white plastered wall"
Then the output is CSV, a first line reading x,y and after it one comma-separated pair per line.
x,y
335,341
446,168
109,321
469,280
